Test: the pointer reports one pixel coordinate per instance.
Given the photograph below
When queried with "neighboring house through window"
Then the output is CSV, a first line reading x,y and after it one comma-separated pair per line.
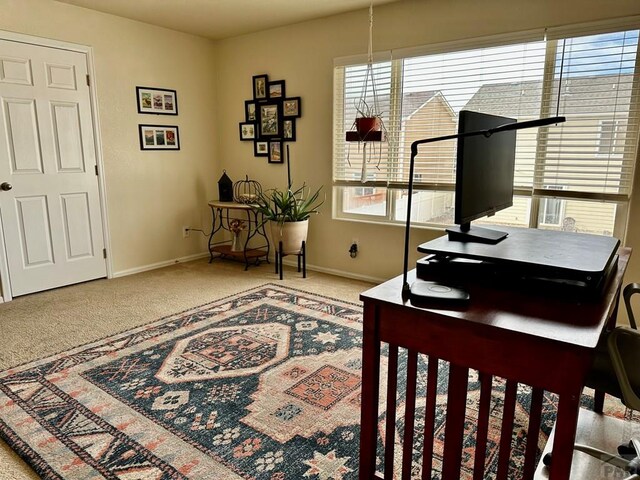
x,y
552,209
611,140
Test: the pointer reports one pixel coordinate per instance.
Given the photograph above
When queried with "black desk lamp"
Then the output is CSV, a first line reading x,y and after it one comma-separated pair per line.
x,y
420,289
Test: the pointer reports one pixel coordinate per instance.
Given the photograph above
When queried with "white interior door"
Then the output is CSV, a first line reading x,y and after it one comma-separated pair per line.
x,y
49,197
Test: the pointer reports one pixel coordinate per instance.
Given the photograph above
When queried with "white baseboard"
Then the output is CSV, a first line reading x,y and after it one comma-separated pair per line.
x,y
315,268
153,266
339,273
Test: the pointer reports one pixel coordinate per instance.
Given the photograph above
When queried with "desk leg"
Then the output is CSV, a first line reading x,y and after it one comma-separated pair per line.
x,y
409,413
390,412
565,436
454,427
370,393
429,417
483,425
533,432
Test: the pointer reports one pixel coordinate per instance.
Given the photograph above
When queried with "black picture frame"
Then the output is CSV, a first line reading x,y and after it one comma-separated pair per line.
x,y
288,130
157,101
260,87
250,114
261,148
159,137
277,90
292,107
247,131
276,151
273,126
269,119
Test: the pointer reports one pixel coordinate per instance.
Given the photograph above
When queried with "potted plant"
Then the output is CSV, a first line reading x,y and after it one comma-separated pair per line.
x,y
288,212
367,120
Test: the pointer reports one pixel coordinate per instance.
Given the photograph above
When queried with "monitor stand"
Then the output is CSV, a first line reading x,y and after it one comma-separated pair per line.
x,y
467,233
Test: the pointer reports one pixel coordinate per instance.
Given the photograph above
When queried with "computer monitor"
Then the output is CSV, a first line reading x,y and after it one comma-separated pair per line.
x,y
484,176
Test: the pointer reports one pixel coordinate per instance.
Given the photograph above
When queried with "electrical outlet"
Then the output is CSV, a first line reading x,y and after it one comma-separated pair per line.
x,y
186,232
353,249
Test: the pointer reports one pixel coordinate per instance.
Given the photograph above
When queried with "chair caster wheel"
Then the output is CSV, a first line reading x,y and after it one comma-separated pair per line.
x,y
546,460
627,451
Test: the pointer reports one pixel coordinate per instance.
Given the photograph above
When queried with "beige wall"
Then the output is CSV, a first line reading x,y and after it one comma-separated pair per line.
x,y
303,56
150,195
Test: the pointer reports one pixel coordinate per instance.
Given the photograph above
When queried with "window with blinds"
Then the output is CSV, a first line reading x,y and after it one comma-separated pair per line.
x,y
576,176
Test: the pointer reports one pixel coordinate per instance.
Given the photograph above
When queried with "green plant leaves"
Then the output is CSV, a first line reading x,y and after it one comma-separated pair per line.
x,y
289,205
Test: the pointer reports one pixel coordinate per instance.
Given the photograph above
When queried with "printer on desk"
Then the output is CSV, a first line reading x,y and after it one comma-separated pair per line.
x,y
566,263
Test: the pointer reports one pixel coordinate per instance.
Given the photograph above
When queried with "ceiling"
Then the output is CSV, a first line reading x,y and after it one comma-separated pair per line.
x,y
217,19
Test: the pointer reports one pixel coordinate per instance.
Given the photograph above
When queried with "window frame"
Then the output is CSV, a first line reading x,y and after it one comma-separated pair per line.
x,y
535,194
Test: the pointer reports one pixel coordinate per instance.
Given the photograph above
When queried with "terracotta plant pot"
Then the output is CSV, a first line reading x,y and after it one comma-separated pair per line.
x,y
292,234
365,125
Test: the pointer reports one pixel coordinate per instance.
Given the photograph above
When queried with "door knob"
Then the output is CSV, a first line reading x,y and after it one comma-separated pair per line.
x,y
6,186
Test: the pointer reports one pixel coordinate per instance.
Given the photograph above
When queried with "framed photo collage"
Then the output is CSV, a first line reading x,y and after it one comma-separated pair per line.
x,y
157,101
269,118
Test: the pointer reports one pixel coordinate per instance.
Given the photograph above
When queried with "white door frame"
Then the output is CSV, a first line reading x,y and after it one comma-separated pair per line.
x,y
88,52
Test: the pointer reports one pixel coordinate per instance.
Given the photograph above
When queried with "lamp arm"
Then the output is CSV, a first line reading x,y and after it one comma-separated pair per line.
x,y
406,288
540,122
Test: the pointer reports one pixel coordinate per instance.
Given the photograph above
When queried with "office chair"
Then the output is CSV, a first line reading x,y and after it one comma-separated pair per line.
x,y
628,291
616,371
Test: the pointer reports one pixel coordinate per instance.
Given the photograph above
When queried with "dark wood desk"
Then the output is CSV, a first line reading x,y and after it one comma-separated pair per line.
x,y
547,343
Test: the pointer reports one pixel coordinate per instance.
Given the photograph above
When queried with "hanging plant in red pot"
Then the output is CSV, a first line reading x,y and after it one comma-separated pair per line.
x,y
368,125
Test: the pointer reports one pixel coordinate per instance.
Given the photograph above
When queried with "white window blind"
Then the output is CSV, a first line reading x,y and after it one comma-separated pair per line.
x,y
352,83
591,78
503,80
594,82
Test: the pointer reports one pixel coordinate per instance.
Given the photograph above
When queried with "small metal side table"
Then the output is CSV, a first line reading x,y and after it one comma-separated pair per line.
x,y
222,214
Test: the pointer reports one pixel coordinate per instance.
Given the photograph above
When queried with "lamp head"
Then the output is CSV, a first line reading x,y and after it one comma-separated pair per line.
x,y
539,122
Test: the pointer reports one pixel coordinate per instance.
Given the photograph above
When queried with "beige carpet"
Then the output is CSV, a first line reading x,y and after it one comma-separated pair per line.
x,y
42,324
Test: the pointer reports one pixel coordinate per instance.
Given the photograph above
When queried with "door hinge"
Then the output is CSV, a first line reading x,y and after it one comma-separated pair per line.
x,y
104,253
96,169
88,80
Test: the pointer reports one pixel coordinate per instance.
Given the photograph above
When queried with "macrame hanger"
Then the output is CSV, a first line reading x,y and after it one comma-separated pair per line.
x,y
369,74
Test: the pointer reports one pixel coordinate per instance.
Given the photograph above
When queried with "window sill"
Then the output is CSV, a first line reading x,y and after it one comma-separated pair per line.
x,y
388,223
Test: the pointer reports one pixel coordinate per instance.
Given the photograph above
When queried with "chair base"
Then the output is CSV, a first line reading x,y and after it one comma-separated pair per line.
x,y
601,432
630,465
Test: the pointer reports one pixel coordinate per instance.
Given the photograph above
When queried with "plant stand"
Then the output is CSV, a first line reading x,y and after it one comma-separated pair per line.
x,y
302,254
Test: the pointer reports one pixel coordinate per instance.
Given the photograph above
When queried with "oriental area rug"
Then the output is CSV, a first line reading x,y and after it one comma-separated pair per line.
x,y
261,385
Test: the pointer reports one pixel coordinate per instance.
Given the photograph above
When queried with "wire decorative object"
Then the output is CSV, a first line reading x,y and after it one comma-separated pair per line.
x,y
246,191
